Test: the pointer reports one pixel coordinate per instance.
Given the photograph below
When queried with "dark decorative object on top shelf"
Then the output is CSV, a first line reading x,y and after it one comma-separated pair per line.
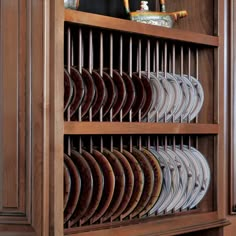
x,y
113,8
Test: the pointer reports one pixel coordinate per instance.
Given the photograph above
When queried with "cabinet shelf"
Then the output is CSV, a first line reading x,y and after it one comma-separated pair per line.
x,y
93,128
182,225
112,23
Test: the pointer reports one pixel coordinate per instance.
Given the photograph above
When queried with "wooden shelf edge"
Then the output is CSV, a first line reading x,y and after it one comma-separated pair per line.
x,y
83,128
113,23
156,226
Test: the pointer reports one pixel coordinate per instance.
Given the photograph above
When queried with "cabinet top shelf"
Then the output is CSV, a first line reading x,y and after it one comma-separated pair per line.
x,y
107,22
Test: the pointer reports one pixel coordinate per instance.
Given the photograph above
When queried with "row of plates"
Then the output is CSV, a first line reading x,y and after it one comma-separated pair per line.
x,y
169,97
110,185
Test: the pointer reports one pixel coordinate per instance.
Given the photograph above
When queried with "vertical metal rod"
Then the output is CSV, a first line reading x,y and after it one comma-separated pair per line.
x,y
80,50
140,142
101,54
90,63
121,68
101,71
157,144
165,60
139,57
121,54
148,59
157,59
111,74
69,65
181,61
130,68
80,67
91,144
197,77
90,50
189,62
130,55
157,70
173,59
139,69
148,69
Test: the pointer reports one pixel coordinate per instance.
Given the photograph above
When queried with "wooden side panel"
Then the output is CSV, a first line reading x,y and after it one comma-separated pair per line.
x,y
12,118
24,117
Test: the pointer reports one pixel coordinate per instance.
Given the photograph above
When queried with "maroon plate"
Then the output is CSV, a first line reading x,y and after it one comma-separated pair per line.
x,y
149,98
109,185
78,92
67,185
98,186
111,93
140,98
119,184
75,191
89,95
121,93
101,93
138,184
68,90
158,178
148,183
129,184
86,186
131,94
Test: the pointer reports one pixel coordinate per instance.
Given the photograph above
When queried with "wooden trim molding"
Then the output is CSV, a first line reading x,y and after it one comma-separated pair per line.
x,y
232,108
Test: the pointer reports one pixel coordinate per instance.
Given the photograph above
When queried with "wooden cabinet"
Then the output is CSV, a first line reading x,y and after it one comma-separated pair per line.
x,y
33,136
201,42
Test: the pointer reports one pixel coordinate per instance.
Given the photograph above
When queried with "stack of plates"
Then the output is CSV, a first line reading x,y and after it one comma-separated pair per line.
x,y
106,185
158,98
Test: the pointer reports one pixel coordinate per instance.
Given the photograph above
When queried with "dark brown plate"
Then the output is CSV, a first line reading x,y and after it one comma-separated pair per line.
x,y
68,89
78,91
75,191
121,93
98,185
89,94
67,185
131,94
138,184
141,95
129,184
158,179
101,93
149,92
86,186
148,181
111,93
119,184
109,185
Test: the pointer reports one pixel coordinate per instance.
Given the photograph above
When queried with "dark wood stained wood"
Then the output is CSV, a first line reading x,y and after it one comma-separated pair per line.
x,y
183,224
138,28
137,128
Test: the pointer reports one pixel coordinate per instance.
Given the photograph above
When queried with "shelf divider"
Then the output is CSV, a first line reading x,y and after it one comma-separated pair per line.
x,y
83,128
124,25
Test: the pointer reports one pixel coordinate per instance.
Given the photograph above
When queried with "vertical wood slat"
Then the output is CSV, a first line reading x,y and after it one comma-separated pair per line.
x,y
9,106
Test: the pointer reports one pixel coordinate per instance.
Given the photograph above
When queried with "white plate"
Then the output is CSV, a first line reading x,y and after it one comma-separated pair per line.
x,y
175,95
183,181
184,103
175,180
191,177
206,177
199,96
199,177
166,184
158,97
